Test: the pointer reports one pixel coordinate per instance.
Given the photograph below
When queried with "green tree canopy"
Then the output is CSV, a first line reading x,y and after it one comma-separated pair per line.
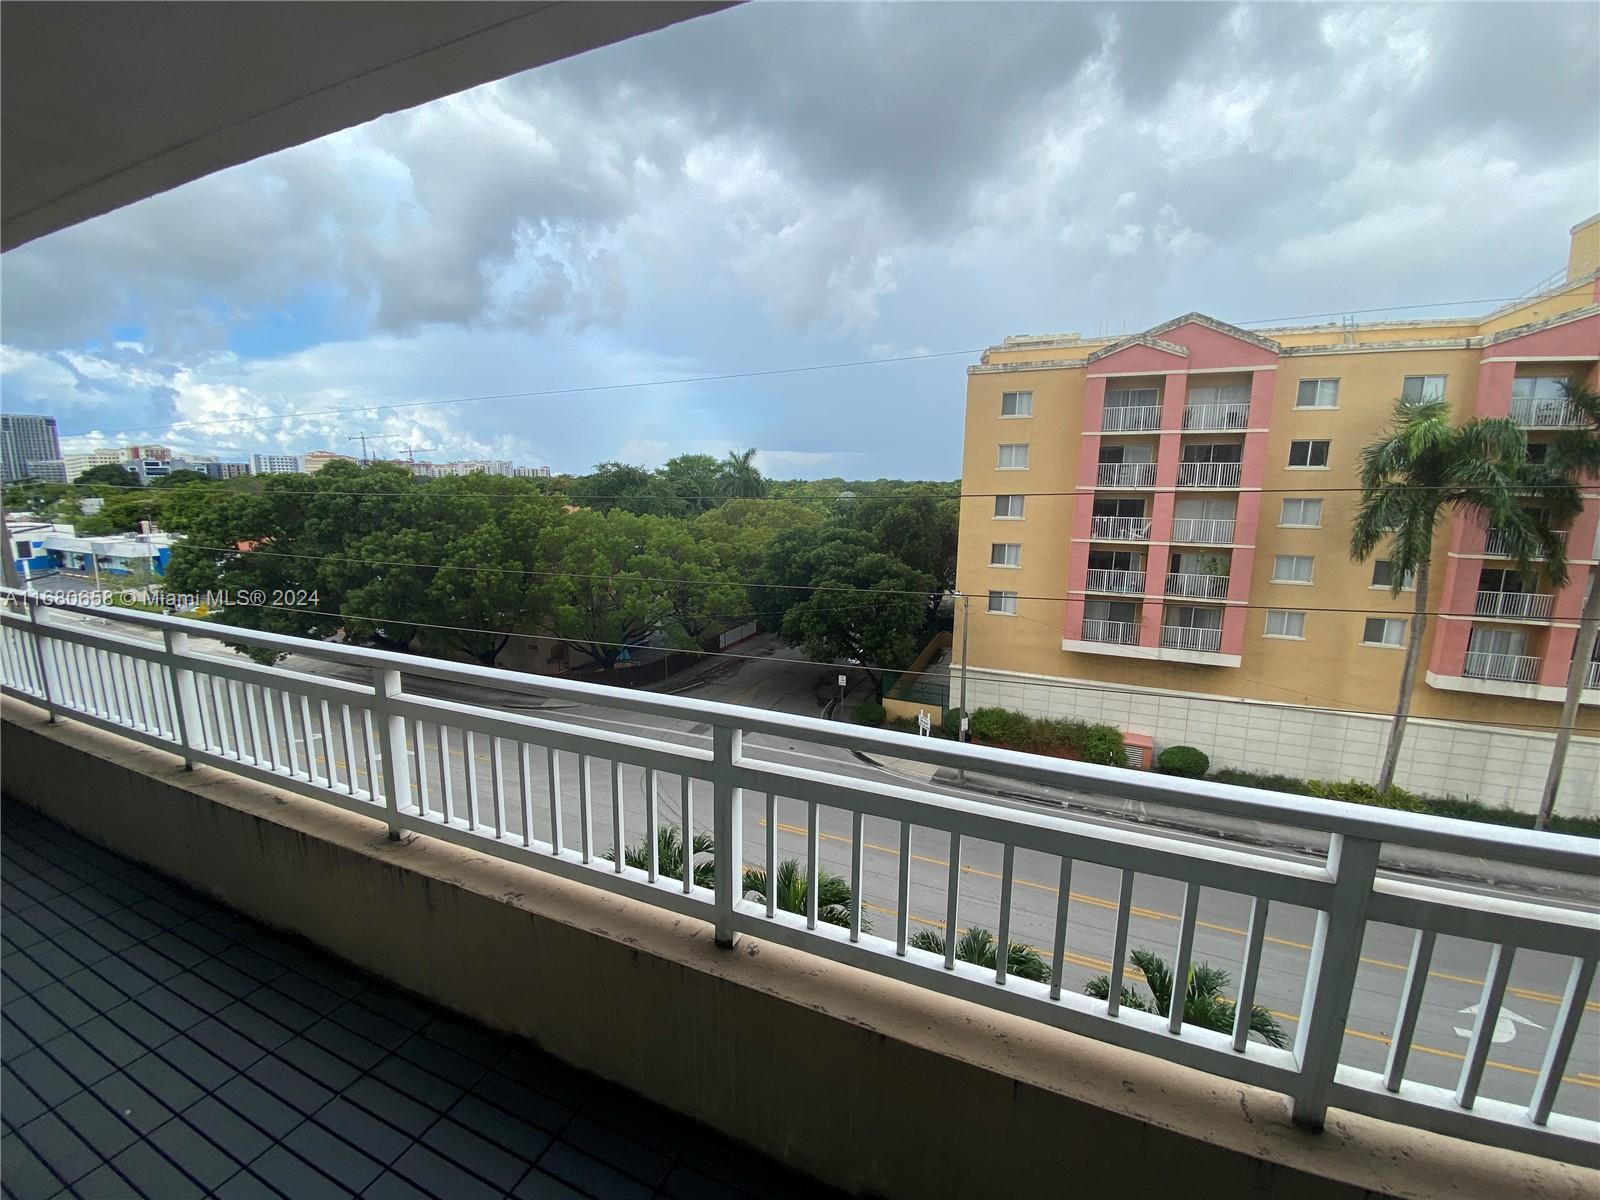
x,y
108,473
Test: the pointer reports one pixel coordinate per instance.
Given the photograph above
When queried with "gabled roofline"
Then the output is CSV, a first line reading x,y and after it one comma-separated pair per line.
x,y
1233,331
1140,339
1566,318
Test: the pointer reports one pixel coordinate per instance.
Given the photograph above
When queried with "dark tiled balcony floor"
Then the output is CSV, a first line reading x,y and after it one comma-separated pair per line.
x,y
158,1045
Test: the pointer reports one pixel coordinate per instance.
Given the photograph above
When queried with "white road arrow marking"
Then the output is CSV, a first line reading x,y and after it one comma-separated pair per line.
x,y
1505,1025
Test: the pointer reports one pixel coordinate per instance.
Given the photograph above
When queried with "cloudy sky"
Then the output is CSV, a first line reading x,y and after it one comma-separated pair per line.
x,y
781,185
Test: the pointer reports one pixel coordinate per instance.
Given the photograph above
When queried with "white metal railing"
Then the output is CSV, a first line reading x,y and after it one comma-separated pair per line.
x,y
1508,668
1545,412
1209,474
549,790
1206,587
1497,544
1130,418
1202,417
1120,529
1529,605
1190,637
1202,530
1118,633
1136,475
1591,677
1101,579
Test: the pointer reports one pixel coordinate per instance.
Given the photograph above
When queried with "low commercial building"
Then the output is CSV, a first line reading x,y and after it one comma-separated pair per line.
x,y
1155,532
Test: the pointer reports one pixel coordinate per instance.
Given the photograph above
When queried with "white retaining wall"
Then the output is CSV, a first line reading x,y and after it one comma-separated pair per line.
x,y
1480,762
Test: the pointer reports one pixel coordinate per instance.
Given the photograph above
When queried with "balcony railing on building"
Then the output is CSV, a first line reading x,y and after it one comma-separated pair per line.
x,y
1591,678
1507,668
1120,529
1119,633
1540,412
1105,580
1210,417
1498,543
1130,418
1197,586
1209,474
1202,530
1514,605
1191,637
1133,475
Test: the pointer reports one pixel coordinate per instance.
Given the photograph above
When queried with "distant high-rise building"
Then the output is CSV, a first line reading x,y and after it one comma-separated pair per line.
x,y
276,464
77,464
317,459
531,472
25,439
224,470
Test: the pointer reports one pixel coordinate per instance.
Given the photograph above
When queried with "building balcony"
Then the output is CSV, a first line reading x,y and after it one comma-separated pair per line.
x,y
1120,529
1105,580
1516,606
1498,543
1591,677
1117,633
1506,668
1546,413
1197,586
1191,637
1125,475
1131,419
1213,418
1209,474
1202,531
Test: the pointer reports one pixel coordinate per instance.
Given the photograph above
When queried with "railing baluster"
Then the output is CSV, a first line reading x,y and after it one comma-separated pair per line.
x,y
813,834
469,764
1180,964
1562,1034
269,704
652,817
902,920
397,797
1008,876
419,734
554,777
586,814
727,828
857,833
952,899
235,718
309,730
525,785
254,723
618,837
1249,973
686,821
291,742
1058,947
447,783
1405,1025
370,742
1119,944
1494,991
772,854
497,782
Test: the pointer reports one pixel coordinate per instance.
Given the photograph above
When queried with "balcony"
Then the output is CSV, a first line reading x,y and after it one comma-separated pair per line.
x,y
1120,529
1197,586
1498,543
1106,580
1191,637
1215,418
1546,413
1202,531
1591,677
1117,633
1209,474
500,816
1505,668
1135,418
1125,475
1515,606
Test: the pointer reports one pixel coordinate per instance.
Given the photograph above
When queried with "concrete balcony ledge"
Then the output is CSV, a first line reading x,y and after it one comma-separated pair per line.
x,y
1204,658
1509,688
743,1039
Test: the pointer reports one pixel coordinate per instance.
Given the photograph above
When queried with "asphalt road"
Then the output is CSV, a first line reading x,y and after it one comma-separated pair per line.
x,y
774,681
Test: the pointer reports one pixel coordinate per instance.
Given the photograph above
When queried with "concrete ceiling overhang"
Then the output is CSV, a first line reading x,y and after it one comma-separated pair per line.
x,y
103,104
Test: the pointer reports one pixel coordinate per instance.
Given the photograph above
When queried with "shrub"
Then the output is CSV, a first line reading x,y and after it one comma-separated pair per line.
x,y
1261,779
950,726
1184,761
1000,726
1355,791
870,712
1101,744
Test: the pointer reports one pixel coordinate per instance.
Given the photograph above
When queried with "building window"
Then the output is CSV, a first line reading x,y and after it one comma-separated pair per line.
x,y
1308,453
1539,387
1301,513
1317,393
1292,568
1008,508
1003,602
1422,387
1285,623
1016,404
1131,398
1014,457
1005,554
1384,631
1383,576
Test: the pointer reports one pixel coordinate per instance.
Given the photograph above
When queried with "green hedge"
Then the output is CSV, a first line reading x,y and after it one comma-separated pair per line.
x,y
1183,761
1045,735
870,712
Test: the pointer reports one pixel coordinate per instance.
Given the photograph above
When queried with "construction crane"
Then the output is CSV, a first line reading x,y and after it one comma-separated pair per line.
x,y
409,451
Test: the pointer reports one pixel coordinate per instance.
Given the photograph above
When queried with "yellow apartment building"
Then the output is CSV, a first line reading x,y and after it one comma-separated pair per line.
x,y
1155,533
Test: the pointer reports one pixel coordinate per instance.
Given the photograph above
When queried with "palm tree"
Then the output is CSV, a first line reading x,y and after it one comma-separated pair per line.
x,y
978,946
739,478
1422,470
833,893
1203,1003
669,856
1573,454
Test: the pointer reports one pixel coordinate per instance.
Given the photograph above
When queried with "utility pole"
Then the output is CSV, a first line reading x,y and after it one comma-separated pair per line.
x,y
8,566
